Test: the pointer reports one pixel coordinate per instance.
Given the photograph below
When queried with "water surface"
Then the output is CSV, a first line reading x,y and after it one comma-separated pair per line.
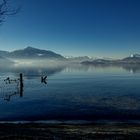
x,y
75,92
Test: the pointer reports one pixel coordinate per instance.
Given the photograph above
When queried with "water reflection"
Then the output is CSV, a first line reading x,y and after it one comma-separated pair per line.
x,y
32,70
132,68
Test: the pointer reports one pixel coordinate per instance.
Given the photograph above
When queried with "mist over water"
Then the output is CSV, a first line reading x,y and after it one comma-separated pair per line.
x,y
73,92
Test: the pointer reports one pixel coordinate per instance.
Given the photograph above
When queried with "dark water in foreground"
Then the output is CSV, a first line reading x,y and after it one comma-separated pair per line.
x,y
72,93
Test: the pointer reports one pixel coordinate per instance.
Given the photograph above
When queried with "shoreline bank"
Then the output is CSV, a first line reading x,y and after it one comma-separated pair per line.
x,y
69,131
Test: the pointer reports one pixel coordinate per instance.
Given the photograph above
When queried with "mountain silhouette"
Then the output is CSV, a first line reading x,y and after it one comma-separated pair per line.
x,y
31,52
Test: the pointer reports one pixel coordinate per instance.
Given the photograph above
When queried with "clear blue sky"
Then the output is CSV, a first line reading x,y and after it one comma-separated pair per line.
x,y
109,28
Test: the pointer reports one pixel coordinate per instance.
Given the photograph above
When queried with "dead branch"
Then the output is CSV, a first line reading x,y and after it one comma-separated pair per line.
x,y
6,10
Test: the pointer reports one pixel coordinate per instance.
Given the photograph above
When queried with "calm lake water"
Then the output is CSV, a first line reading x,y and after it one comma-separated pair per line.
x,y
72,93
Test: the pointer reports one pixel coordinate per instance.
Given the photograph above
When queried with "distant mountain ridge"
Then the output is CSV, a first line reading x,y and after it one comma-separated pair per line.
x,y
3,53
35,53
79,59
133,59
31,52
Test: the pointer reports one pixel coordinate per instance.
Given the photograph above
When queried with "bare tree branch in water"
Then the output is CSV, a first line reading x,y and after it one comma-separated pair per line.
x,y
6,10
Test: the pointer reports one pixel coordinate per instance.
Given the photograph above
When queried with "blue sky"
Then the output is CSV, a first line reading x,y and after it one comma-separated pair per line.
x,y
108,28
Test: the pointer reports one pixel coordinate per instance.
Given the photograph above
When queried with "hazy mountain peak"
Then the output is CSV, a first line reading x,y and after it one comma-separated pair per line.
x,y
134,55
29,48
132,58
30,52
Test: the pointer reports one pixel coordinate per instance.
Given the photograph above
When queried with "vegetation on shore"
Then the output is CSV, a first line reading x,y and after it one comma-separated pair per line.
x,y
71,132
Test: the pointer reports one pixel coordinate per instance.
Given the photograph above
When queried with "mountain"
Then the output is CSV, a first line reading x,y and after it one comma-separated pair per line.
x,y
31,52
4,53
98,62
79,59
133,59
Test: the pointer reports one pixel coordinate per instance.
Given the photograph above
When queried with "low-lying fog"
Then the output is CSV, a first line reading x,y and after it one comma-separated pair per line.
x,y
53,63
52,66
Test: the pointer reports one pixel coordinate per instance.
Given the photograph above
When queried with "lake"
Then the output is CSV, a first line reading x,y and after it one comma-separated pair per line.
x,y
73,93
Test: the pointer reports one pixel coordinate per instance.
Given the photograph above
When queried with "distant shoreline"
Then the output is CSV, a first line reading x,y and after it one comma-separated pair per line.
x,y
76,122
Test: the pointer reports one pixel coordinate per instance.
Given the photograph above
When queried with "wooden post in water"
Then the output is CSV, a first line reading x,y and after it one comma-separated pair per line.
x,y
44,79
21,84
